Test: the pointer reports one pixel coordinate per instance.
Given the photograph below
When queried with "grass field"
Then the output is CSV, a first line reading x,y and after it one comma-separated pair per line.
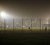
x,y
25,38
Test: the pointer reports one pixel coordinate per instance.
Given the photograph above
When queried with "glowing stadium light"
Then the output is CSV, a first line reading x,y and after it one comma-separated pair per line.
x,y
3,15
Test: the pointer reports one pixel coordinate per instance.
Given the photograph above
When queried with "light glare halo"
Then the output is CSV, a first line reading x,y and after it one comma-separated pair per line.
x,y
3,15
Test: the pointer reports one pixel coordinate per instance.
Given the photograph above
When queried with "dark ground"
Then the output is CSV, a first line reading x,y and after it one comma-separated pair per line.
x,y
25,38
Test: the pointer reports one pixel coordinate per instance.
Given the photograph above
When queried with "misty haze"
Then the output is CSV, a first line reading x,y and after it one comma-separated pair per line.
x,y
25,22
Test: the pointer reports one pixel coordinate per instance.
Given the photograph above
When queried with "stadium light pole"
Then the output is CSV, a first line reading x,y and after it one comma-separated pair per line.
x,y
13,24
4,24
31,22
3,16
40,24
22,23
0,22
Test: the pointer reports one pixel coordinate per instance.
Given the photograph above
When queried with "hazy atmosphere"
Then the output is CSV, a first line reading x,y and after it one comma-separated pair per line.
x,y
26,8
25,22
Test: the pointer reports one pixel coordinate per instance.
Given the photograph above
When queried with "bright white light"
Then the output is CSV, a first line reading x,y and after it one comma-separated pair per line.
x,y
3,15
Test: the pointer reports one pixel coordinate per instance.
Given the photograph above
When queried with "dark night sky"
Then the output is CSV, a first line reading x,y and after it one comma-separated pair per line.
x,y
26,8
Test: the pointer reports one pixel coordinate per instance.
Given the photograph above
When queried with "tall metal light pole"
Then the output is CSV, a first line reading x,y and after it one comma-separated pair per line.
x,y
2,16
4,24
31,23
13,24
40,24
0,23
22,23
